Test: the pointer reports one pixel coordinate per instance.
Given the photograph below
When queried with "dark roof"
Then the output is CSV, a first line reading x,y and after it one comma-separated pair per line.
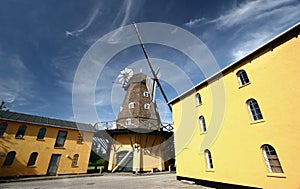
x,y
39,120
139,131
290,33
137,78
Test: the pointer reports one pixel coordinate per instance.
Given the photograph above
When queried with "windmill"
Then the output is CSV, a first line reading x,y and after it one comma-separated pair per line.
x,y
155,77
124,76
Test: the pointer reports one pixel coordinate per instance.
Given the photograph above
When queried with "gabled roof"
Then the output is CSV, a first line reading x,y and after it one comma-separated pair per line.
x,y
45,121
290,33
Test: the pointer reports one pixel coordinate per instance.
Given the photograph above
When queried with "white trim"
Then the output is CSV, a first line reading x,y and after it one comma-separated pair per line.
x,y
235,62
131,105
147,106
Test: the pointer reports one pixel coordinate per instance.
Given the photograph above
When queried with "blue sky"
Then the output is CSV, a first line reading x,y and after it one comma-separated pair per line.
x,y
43,42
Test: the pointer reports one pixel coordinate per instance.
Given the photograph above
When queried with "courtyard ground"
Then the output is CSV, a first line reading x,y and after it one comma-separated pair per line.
x,y
107,181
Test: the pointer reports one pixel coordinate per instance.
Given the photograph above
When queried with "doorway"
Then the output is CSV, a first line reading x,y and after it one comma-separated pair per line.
x,y
53,165
126,165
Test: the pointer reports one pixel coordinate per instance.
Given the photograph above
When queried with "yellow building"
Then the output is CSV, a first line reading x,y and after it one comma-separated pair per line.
x,y
240,128
34,145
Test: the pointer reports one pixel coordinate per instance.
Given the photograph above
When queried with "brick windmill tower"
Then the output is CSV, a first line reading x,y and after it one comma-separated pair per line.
x,y
138,110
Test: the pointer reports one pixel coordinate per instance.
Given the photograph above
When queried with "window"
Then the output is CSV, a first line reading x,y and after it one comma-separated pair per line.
x,y
75,160
209,163
271,158
147,106
198,99
131,105
128,121
3,127
41,134
80,138
146,94
254,110
61,137
9,158
242,77
32,159
21,131
202,124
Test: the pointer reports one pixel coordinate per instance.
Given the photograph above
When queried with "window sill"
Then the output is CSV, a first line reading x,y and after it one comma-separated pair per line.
x,y
277,175
40,139
203,133
63,148
74,166
257,121
241,86
198,105
210,170
31,166
19,138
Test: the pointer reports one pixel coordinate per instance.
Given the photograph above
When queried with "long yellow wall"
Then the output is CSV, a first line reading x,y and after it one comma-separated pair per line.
x,y
45,148
236,148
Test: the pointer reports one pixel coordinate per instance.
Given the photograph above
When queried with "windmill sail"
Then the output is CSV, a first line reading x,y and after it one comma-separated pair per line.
x,y
124,76
151,66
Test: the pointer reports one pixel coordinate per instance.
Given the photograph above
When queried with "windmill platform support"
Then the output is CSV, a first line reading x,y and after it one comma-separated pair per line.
x,y
138,151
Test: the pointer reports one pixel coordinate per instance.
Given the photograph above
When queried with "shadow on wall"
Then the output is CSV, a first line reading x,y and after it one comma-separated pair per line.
x,y
18,168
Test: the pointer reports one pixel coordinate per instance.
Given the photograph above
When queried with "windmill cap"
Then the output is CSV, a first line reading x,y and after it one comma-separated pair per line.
x,y
138,78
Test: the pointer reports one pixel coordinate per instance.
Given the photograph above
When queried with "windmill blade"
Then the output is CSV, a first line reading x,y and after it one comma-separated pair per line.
x,y
151,67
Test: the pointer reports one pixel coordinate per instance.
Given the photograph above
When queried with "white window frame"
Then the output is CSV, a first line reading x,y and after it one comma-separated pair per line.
x,y
202,124
146,94
75,160
274,158
128,121
242,81
208,159
257,111
147,106
131,105
198,99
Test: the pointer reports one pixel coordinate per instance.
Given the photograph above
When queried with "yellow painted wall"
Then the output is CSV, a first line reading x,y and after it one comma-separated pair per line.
x,y
236,148
145,158
45,148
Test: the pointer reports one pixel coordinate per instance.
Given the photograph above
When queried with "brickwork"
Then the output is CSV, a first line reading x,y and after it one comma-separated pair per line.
x,y
138,110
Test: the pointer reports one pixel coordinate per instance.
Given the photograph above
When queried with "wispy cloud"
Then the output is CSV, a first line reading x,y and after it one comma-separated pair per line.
x,y
123,18
194,22
85,25
17,89
252,35
248,12
252,23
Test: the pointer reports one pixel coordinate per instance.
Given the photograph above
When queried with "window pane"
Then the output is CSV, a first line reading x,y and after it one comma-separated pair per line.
x,y
202,124
3,127
9,158
32,159
75,160
271,158
254,110
61,137
42,133
198,99
242,77
21,131
209,163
